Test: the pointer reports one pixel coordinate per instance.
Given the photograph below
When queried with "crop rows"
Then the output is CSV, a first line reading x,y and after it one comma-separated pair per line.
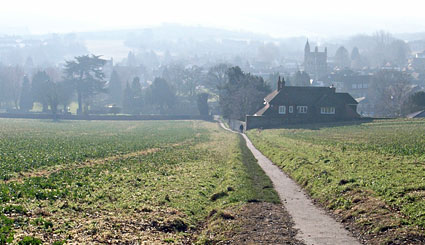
x,y
129,193
26,145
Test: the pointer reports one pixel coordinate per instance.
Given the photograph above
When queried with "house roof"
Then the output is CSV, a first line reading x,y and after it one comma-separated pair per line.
x,y
271,96
299,95
347,98
320,96
417,114
262,110
361,99
328,100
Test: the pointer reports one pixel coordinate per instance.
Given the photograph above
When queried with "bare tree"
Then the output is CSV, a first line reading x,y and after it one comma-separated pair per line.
x,y
242,94
216,77
11,78
388,92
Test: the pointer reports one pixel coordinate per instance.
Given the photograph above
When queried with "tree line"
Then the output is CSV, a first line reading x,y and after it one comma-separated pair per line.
x,y
222,89
177,90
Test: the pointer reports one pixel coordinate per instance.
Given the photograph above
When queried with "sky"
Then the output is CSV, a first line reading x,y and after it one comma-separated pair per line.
x,y
326,18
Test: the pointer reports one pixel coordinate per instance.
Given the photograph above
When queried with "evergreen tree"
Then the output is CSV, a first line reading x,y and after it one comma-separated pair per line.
x,y
161,95
136,96
86,74
301,79
131,59
342,58
115,89
52,96
25,101
356,59
202,103
355,54
65,93
127,99
39,88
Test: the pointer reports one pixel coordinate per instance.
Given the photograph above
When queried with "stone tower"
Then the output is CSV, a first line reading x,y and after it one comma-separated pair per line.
x,y
315,63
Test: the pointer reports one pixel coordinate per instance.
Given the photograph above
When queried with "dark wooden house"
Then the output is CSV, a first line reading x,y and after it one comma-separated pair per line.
x,y
290,104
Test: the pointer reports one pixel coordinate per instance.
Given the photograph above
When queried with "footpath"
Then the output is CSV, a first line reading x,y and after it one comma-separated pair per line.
x,y
314,225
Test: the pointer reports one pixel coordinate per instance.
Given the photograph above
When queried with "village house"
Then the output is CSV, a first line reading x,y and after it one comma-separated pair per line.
x,y
292,105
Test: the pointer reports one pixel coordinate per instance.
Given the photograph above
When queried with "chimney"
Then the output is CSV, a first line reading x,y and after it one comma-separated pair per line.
x,y
279,84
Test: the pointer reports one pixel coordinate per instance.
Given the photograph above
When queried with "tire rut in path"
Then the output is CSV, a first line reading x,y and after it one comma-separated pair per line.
x,y
314,225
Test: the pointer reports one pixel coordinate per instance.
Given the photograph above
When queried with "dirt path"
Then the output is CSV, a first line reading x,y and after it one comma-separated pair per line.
x,y
263,223
314,224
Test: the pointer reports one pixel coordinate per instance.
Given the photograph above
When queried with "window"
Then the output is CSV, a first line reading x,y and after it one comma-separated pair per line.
x,y
282,109
365,85
327,110
302,109
291,109
354,85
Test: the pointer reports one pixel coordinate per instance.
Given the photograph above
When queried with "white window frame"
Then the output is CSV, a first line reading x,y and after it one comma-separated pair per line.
x,y
282,109
290,109
327,110
302,109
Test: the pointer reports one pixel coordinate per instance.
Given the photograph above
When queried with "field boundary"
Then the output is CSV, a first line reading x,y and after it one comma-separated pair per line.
x,y
105,117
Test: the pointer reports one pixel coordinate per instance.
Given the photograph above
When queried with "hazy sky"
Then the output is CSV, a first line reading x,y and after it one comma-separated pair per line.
x,y
278,18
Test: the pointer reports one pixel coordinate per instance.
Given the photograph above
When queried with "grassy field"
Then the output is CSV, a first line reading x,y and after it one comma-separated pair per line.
x,y
371,175
116,182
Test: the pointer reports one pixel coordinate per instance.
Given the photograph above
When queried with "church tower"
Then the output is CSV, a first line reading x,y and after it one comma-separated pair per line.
x,y
315,63
306,50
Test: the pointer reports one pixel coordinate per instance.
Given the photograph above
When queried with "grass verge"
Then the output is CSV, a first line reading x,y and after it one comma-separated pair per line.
x,y
370,175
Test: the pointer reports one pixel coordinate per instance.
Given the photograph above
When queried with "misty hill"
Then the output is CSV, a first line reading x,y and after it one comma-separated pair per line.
x,y
179,40
175,31
189,45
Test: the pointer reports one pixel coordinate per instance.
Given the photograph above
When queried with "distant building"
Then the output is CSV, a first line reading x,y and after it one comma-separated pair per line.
x,y
356,84
350,82
418,62
291,105
315,63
